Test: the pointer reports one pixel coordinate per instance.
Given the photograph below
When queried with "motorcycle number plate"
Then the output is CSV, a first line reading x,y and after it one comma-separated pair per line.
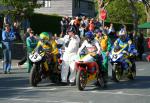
x,y
115,56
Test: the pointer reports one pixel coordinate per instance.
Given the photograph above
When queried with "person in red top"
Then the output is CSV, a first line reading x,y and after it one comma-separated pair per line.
x,y
91,25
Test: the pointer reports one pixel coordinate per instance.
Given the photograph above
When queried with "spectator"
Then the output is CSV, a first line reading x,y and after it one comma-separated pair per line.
x,y
97,24
82,31
84,21
25,24
63,23
16,30
7,39
91,25
140,45
31,42
7,20
26,35
111,29
111,32
77,25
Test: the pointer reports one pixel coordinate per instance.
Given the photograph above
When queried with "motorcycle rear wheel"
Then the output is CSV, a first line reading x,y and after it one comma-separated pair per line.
x,y
81,80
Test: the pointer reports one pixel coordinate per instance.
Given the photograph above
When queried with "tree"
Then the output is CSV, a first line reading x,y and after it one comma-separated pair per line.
x,y
119,11
19,8
147,10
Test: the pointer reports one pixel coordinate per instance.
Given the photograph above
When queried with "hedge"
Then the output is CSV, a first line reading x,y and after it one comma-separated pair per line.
x,y
47,23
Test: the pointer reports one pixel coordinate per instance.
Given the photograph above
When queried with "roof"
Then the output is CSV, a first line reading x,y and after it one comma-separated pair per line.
x,y
144,25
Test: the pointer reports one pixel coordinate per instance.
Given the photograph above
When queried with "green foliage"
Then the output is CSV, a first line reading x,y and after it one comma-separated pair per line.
x,y
120,11
19,7
141,12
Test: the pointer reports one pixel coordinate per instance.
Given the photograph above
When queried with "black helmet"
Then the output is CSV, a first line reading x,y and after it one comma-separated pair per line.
x,y
71,29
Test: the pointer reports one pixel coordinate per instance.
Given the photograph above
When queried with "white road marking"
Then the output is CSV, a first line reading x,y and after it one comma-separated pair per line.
x,y
38,100
140,69
29,88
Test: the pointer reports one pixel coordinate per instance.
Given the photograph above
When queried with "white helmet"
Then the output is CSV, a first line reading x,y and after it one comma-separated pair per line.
x,y
122,32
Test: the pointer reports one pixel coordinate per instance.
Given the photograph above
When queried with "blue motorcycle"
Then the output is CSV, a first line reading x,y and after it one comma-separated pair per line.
x,y
118,58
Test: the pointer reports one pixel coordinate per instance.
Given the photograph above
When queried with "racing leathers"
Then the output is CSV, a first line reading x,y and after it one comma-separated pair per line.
x,y
92,48
125,47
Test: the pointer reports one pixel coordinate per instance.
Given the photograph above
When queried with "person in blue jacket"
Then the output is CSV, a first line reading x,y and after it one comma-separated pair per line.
x,y
7,39
127,47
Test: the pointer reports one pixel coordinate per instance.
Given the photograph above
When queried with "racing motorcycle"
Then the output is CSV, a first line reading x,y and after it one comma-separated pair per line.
x,y
117,58
87,72
42,66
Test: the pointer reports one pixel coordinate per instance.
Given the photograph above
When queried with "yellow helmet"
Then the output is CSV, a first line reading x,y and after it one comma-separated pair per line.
x,y
44,36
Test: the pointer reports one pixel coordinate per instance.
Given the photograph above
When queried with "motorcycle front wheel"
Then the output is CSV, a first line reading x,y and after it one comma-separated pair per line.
x,y
133,72
116,75
34,76
81,80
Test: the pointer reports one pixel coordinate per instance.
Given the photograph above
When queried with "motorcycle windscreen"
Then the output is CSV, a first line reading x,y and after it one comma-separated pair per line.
x,y
87,58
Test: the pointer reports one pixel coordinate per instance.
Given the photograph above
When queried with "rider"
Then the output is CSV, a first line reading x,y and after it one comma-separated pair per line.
x,y
47,43
124,43
92,46
105,45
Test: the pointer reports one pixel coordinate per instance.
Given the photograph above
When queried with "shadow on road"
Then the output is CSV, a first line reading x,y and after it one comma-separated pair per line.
x,y
141,82
9,86
9,82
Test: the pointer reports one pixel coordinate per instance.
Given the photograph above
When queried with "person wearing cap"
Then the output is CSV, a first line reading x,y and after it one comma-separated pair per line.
x,y
7,38
71,44
31,43
24,59
105,45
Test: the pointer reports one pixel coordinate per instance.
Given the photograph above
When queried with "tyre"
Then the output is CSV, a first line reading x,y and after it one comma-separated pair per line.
x,y
101,82
116,76
81,80
34,76
132,74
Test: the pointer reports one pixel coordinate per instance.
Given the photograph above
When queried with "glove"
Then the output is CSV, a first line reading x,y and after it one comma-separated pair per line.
x,y
125,52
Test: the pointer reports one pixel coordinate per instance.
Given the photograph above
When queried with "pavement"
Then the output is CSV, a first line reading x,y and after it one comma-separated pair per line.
x,y
15,88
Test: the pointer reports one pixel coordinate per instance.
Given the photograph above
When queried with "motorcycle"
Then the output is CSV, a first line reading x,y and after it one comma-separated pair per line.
x,y
87,71
42,66
117,58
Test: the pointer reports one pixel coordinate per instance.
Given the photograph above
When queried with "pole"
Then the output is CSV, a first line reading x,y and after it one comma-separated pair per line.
x,y
103,21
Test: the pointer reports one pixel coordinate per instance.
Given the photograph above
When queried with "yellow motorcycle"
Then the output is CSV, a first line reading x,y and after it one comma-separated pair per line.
x,y
42,66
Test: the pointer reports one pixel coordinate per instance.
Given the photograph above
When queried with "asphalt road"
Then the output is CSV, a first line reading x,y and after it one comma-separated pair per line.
x,y
15,88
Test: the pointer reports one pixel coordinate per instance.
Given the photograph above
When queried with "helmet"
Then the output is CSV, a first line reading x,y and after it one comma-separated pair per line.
x,y
122,34
71,29
89,35
44,36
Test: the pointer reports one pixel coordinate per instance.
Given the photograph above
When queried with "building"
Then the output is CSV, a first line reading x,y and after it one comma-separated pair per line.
x,y
67,7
